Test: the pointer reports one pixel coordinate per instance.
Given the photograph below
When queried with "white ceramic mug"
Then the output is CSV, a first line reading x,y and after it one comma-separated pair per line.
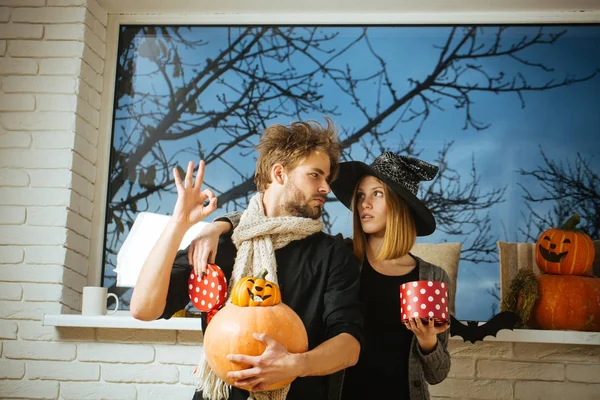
x,y
94,301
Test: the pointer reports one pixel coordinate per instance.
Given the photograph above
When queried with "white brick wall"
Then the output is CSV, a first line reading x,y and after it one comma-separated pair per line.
x,y
529,371
51,78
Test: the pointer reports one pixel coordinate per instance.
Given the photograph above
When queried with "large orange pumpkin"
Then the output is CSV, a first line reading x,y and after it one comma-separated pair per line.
x,y
567,302
565,251
231,329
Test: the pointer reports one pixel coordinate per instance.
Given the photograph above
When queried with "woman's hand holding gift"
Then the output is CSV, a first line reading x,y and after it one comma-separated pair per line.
x,y
426,334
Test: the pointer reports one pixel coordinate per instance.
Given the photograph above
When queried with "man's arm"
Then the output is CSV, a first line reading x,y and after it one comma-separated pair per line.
x,y
276,364
150,293
342,316
335,354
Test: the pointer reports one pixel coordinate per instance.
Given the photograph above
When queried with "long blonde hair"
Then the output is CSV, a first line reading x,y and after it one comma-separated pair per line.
x,y
400,231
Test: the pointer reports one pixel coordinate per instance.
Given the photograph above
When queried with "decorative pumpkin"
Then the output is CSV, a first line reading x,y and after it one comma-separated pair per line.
x,y
252,292
567,302
565,251
231,329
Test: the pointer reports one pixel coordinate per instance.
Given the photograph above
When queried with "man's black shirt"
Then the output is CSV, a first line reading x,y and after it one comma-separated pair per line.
x,y
319,279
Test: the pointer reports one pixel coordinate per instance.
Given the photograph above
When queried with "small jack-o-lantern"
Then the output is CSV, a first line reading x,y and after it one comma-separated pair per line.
x,y
565,251
255,292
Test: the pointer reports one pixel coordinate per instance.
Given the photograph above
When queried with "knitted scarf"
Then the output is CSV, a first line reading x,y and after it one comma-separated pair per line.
x,y
256,239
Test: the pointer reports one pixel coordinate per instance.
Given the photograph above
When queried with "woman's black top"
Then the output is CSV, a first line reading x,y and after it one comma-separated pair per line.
x,y
383,365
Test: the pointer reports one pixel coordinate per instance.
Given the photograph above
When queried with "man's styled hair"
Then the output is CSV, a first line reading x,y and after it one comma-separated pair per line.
x,y
400,231
290,144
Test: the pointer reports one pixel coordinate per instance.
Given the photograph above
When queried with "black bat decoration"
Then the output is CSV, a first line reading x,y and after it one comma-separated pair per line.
x,y
474,332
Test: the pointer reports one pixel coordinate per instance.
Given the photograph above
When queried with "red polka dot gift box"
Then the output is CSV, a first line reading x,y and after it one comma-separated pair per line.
x,y
424,299
208,292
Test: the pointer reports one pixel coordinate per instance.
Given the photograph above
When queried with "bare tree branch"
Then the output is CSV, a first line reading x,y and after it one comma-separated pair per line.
x,y
569,187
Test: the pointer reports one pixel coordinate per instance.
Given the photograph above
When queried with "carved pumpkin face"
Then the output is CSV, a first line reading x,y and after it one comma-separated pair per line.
x,y
565,251
549,249
255,292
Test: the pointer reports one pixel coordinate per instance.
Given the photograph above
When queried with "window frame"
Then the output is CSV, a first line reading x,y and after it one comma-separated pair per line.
x,y
116,20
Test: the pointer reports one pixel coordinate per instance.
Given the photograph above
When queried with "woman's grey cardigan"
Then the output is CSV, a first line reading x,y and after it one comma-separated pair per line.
x,y
432,367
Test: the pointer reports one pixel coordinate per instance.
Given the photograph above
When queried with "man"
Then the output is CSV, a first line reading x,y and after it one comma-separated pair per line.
x,y
317,273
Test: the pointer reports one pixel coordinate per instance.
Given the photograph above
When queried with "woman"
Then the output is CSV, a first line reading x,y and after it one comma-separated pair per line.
x,y
387,217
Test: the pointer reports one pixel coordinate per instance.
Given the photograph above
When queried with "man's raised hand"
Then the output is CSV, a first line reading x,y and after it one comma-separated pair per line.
x,y
190,208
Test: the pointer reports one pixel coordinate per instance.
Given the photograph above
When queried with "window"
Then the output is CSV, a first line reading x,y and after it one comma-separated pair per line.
x,y
509,113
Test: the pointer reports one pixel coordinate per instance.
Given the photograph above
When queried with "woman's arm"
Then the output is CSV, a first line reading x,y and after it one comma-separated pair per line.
x,y
436,361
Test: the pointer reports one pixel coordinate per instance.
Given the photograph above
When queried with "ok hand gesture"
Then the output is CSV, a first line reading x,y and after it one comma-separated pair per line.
x,y
190,207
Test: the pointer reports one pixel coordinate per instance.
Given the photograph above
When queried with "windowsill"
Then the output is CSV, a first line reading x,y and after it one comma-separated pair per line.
x,y
124,320
121,319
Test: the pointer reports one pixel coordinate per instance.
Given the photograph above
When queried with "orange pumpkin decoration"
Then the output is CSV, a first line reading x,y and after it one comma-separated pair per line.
x,y
565,251
231,329
255,292
567,302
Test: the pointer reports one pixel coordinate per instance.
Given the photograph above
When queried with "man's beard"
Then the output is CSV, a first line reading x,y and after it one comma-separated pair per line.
x,y
296,205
